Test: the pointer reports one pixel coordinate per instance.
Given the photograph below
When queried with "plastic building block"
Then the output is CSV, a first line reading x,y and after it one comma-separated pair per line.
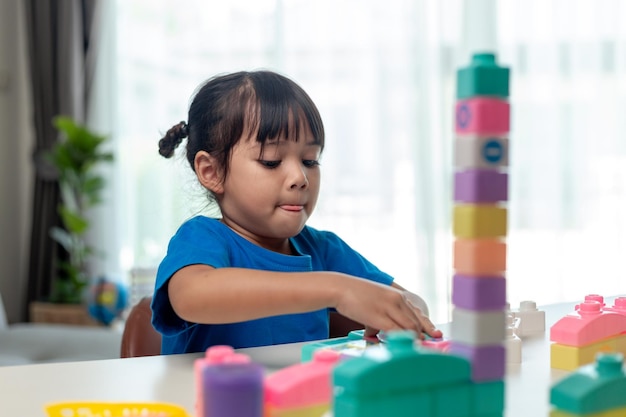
x,y
233,390
482,77
302,389
478,151
596,388
480,186
350,346
401,380
589,324
488,362
480,257
532,320
619,306
479,293
441,344
512,342
478,328
213,355
479,221
572,357
488,398
482,115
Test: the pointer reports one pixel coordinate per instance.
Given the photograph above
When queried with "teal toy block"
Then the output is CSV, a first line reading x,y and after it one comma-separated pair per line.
x,y
352,345
402,379
593,388
489,398
483,77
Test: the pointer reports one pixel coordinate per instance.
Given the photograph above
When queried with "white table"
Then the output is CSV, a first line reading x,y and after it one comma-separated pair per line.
x,y
24,390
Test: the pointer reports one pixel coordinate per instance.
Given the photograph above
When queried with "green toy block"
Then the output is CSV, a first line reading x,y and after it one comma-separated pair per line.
x,y
488,398
483,77
400,379
461,406
593,388
352,345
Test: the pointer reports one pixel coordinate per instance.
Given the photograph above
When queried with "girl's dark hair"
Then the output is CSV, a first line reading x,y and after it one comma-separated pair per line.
x,y
262,101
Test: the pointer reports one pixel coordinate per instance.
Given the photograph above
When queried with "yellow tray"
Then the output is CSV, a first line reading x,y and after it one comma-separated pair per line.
x,y
113,409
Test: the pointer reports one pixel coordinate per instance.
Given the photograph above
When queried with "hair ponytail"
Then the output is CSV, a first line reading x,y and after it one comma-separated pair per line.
x,y
172,139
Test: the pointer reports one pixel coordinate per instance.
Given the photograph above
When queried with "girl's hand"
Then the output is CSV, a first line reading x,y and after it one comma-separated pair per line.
x,y
381,307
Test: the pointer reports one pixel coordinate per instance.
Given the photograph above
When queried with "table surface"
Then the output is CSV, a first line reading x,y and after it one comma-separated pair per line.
x,y
25,390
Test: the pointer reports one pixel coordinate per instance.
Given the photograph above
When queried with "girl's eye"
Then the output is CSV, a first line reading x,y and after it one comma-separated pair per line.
x,y
269,164
310,163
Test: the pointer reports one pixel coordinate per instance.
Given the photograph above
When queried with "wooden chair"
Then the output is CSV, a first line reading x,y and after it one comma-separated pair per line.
x,y
141,339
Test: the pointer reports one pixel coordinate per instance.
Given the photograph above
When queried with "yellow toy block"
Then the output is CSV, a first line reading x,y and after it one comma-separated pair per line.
x,y
479,220
570,358
618,412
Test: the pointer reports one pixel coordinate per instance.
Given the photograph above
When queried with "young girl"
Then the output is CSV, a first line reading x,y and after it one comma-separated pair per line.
x,y
258,275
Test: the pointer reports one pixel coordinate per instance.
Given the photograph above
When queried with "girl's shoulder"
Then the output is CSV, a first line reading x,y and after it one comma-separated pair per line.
x,y
201,226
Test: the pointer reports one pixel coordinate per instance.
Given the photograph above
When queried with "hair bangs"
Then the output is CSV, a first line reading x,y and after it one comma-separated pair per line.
x,y
282,111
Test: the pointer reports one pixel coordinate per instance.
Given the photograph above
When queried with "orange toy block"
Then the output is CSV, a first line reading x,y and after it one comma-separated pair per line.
x,y
479,221
589,324
479,257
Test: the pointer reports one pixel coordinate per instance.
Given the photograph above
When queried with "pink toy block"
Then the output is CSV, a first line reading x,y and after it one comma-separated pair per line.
x,y
482,115
479,293
301,386
478,328
481,186
532,320
440,344
589,324
481,151
619,306
488,362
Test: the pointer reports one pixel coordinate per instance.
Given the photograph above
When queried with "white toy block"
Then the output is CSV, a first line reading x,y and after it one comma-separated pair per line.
x,y
512,343
478,328
532,320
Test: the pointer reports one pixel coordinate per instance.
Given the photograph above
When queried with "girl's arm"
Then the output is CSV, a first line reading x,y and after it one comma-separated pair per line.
x,y
202,294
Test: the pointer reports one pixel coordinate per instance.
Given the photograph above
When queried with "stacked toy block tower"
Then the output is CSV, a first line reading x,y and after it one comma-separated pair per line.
x,y
478,327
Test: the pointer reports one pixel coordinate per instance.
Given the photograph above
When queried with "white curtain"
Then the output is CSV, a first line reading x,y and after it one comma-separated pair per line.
x,y
383,77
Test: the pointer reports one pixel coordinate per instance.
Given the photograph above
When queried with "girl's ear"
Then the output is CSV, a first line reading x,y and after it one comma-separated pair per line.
x,y
208,172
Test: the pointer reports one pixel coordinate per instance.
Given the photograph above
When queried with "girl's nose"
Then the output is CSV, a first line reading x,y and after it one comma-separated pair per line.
x,y
298,178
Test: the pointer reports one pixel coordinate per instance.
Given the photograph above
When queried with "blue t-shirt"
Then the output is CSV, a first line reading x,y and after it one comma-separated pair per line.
x,y
202,240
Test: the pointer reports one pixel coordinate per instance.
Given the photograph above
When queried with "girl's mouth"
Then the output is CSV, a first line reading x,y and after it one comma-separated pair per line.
x,y
290,207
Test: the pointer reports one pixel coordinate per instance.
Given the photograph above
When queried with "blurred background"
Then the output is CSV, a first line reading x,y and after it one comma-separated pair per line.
x,y
383,77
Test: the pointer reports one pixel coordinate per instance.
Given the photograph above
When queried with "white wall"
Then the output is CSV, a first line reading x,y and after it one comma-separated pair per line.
x,y
16,145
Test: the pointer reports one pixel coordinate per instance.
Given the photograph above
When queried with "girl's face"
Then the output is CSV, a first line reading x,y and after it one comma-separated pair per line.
x,y
268,197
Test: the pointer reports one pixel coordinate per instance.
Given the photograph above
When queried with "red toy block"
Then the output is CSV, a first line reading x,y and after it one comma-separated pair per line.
x,y
482,115
589,324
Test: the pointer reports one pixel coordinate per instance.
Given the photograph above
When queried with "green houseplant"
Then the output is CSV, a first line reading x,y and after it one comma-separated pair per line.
x,y
76,158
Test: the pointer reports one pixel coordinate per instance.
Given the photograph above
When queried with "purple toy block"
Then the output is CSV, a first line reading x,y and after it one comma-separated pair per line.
x,y
488,362
483,115
481,186
233,390
479,293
